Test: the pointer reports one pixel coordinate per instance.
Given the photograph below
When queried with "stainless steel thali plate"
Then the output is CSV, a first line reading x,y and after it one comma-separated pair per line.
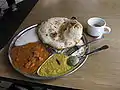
x,y
35,76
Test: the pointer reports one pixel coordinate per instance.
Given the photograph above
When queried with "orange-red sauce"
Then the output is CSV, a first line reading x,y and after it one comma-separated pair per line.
x,y
29,57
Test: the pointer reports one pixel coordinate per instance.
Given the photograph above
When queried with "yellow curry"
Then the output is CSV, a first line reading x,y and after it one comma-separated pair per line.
x,y
54,66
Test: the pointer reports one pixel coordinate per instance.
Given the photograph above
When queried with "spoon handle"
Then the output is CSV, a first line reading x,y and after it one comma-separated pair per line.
x,y
75,48
98,49
88,43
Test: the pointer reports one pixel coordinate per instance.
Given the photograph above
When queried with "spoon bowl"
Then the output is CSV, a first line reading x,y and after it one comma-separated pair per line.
x,y
74,60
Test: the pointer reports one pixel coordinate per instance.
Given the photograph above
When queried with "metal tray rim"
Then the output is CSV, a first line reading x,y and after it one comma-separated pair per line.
x,y
41,77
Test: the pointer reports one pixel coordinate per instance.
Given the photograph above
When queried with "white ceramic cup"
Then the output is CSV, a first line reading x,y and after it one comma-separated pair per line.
x,y
97,27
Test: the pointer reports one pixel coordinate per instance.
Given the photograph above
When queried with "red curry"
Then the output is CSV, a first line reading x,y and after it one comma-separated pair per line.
x,y
29,57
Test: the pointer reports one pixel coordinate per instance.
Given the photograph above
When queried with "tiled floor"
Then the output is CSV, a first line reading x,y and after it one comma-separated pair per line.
x,y
10,22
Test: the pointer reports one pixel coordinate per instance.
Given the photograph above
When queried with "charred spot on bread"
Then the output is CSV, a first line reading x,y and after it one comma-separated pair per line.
x,y
73,17
53,35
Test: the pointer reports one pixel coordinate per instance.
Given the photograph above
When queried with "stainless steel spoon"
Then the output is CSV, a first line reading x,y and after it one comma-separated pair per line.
x,y
71,50
73,60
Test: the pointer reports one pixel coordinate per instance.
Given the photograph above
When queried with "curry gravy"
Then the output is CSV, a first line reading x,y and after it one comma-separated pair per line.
x,y
29,57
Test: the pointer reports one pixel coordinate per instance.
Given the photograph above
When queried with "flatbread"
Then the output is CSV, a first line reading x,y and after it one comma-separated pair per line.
x,y
60,32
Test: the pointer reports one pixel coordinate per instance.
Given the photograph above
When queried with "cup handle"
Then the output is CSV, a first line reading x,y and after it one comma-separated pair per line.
x,y
107,30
